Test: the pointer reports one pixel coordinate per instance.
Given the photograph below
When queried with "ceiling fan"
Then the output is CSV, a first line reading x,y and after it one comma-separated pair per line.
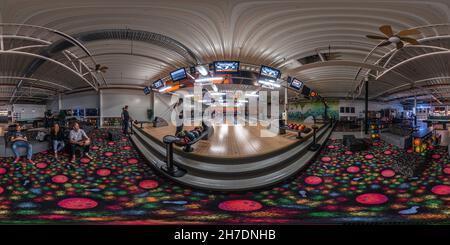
x,y
396,38
100,68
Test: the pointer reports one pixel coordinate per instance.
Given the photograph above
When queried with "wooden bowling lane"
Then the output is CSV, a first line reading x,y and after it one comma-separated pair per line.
x,y
232,141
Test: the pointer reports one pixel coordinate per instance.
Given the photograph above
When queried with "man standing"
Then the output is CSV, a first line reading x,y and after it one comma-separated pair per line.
x,y
125,120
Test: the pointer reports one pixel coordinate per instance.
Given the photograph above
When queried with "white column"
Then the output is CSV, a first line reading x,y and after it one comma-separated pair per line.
x,y
59,101
285,103
415,105
100,107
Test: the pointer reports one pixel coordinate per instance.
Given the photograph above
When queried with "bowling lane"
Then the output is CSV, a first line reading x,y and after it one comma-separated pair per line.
x,y
231,141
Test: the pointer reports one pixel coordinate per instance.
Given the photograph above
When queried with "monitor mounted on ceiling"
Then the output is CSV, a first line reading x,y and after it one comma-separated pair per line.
x,y
178,75
305,91
222,67
147,90
157,84
296,84
269,72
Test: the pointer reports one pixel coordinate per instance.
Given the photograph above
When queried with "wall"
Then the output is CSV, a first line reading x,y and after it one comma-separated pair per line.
x,y
29,111
80,100
113,100
52,105
360,107
162,106
301,110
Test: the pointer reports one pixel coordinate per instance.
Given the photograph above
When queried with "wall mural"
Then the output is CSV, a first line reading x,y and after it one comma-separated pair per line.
x,y
299,111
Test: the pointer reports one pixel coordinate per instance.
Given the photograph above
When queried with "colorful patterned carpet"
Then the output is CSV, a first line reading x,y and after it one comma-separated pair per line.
x,y
117,187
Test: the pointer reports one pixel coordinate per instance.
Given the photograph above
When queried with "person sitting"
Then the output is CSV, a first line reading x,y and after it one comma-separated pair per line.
x,y
20,141
57,138
79,140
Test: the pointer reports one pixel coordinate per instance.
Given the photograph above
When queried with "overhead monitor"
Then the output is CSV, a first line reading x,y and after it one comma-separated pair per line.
x,y
296,84
226,66
91,112
157,84
146,90
269,72
178,75
305,91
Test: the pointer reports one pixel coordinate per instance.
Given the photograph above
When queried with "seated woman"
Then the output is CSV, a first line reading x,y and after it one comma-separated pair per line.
x,y
57,137
18,140
79,140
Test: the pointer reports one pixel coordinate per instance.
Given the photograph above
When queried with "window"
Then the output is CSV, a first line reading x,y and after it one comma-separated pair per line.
x,y
347,109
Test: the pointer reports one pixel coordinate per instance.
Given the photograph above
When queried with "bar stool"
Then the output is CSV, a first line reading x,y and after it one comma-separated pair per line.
x,y
314,146
170,168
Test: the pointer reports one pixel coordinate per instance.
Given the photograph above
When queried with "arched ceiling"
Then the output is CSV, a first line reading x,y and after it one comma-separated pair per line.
x,y
272,32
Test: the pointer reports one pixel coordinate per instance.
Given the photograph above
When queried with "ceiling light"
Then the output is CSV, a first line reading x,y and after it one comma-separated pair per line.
x,y
208,79
269,83
217,93
214,88
202,70
164,88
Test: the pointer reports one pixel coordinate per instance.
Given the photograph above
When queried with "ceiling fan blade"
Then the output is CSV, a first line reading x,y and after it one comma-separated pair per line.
x,y
399,45
387,30
376,37
385,43
408,32
410,40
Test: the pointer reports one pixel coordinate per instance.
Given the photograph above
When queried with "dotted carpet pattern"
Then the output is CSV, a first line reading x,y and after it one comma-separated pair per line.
x,y
118,187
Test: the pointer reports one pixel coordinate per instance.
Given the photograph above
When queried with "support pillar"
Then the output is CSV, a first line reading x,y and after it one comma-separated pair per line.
x,y
366,106
415,110
59,101
100,111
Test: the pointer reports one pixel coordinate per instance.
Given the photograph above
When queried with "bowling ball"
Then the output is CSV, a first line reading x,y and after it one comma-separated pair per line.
x,y
186,139
201,128
302,127
200,133
181,142
195,132
416,141
180,134
297,127
190,135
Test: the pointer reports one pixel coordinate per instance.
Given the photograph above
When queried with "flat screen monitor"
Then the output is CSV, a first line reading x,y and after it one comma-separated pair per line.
x,y
91,112
270,72
78,112
305,91
146,90
157,84
296,84
226,66
178,75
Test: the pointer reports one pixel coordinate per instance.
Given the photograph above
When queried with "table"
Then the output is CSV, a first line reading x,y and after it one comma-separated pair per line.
x,y
444,122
